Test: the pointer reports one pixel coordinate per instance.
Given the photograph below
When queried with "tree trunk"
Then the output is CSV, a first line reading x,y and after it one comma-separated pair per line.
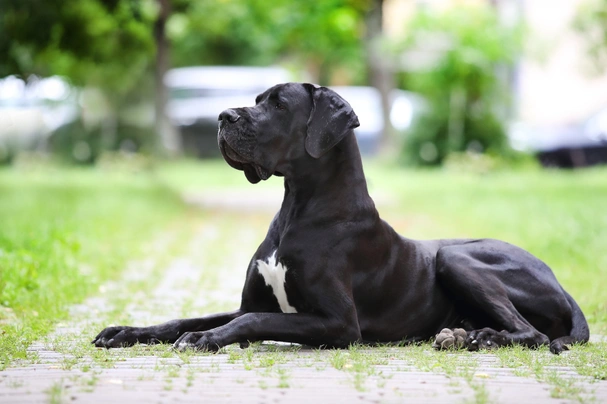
x,y
169,140
457,119
380,70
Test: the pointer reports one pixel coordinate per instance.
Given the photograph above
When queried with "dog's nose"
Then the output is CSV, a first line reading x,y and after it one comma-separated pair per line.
x,y
229,115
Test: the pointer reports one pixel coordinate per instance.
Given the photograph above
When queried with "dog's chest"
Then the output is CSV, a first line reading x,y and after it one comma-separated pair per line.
x,y
273,274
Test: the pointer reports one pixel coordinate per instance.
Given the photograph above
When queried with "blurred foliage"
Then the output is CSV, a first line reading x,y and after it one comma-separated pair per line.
x,y
456,68
103,43
322,36
7,153
591,22
111,46
76,143
110,43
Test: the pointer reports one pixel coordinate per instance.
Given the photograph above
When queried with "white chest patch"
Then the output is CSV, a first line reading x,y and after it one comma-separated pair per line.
x,y
274,274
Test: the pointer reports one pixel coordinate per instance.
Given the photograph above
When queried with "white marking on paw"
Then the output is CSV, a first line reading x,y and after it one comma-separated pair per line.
x,y
274,275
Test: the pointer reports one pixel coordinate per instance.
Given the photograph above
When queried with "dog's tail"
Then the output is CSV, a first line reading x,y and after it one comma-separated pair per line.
x,y
579,329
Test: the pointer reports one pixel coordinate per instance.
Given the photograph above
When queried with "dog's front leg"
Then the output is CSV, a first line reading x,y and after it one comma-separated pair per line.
x,y
301,328
169,332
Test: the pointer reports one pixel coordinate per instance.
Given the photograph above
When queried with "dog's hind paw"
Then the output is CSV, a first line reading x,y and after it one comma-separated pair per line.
x,y
450,339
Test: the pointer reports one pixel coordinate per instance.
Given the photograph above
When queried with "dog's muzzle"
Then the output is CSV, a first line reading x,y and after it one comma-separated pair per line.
x,y
234,159
253,171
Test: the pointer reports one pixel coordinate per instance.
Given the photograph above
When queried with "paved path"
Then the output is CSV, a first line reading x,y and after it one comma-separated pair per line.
x,y
206,277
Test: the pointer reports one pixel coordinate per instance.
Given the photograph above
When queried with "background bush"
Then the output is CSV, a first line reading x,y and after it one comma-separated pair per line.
x,y
464,77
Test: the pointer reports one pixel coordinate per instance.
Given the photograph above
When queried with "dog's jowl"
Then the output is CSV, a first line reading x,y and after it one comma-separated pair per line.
x,y
330,272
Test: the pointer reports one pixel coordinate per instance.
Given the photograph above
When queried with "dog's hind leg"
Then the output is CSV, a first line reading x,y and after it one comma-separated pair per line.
x,y
483,300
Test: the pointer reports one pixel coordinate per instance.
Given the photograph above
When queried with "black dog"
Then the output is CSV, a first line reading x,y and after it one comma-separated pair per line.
x,y
331,273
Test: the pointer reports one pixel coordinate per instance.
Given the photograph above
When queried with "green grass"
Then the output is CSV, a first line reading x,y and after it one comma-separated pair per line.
x,y
588,360
63,232
56,393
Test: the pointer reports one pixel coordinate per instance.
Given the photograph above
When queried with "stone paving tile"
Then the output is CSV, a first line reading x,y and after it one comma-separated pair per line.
x,y
63,368
214,379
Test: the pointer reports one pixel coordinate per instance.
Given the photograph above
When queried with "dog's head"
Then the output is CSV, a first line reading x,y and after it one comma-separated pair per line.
x,y
288,123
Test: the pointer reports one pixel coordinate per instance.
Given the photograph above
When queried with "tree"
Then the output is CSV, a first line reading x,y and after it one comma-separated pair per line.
x,y
380,69
100,43
168,135
452,58
591,22
324,37
106,44
328,38
118,45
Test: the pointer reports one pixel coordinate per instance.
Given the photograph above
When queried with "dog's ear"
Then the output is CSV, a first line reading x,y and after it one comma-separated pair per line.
x,y
330,120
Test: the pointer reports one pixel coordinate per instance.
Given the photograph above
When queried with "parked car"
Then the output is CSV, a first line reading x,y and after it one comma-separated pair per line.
x,y
197,95
366,102
579,144
31,110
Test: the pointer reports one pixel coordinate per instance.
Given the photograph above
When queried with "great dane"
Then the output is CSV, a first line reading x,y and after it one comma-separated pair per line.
x,y
331,273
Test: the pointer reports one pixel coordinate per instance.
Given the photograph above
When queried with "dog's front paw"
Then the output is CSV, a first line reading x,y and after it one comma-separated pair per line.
x,y
117,337
486,338
198,340
450,339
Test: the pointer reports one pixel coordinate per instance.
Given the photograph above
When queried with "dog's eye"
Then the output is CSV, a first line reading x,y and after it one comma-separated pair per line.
x,y
279,106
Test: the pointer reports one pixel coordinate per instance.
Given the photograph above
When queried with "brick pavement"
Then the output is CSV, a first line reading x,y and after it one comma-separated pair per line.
x,y
64,368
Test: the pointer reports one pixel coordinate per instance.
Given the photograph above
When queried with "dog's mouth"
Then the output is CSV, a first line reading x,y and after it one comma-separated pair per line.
x,y
252,171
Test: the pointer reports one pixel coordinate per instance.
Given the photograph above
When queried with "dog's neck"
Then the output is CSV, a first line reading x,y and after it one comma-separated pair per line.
x,y
335,177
